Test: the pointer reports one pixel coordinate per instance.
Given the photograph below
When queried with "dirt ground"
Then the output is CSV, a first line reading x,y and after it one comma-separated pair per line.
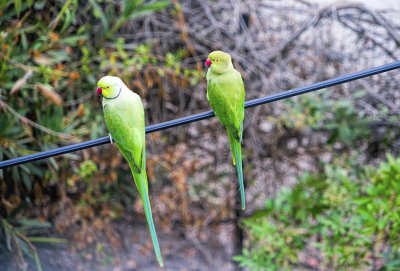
x,y
180,252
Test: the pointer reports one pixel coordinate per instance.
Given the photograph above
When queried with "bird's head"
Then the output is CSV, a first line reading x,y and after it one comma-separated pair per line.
x,y
219,62
109,86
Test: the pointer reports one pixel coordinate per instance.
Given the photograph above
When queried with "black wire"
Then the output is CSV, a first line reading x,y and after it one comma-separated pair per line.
x,y
205,115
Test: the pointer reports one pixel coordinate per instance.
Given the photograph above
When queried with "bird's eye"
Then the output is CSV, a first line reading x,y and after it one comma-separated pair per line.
x,y
216,60
108,86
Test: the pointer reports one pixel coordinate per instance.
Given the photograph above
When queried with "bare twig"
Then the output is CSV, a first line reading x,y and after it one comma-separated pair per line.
x,y
36,125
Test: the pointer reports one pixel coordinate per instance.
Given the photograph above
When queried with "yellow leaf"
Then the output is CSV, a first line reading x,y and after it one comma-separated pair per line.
x,y
112,59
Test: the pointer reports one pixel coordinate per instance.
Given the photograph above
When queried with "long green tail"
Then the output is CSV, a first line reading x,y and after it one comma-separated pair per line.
x,y
237,160
142,186
144,193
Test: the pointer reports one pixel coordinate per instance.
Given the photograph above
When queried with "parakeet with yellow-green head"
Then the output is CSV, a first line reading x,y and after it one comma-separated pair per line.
x,y
124,117
225,92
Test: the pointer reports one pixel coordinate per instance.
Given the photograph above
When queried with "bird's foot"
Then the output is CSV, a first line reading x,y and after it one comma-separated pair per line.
x,y
111,139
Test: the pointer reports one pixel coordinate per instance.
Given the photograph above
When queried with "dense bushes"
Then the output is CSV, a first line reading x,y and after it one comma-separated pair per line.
x,y
51,55
342,218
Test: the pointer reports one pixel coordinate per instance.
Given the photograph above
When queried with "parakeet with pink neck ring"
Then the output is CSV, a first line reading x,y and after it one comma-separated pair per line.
x,y
226,94
124,117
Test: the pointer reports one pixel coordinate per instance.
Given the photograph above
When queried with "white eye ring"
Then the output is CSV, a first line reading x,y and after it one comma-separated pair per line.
x,y
216,60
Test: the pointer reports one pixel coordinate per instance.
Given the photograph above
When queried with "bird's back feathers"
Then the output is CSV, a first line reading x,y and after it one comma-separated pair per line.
x,y
225,93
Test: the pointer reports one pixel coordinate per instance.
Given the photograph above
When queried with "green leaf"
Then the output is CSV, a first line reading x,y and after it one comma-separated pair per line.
x,y
51,240
392,265
32,224
16,211
15,174
58,56
18,6
73,40
156,6
345,133
39,4
8,236
333,137
37,261
98,13
54,163
27,182
359,94
67,21
390,158
128,6
148,9
24,41
361,200
382,223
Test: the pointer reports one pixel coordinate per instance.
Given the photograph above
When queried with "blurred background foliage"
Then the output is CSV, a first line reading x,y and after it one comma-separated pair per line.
x,y
321,186
346,212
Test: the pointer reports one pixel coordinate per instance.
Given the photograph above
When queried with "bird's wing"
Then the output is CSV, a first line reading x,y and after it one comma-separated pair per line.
x,y
226,96
125,122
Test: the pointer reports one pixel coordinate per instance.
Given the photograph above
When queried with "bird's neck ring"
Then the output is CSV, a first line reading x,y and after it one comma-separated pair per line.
x,y
114,96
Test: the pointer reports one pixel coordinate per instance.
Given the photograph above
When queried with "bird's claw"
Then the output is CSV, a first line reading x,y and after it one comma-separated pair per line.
x,y
111,140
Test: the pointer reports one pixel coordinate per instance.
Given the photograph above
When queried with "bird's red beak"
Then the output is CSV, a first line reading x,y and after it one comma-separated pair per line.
x,y
99,90
208,62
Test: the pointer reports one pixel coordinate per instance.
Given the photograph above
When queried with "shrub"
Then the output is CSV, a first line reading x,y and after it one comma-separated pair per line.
x,y
342,218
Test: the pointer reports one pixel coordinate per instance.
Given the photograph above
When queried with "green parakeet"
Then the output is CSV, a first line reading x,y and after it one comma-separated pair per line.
x,y
225,92
124,117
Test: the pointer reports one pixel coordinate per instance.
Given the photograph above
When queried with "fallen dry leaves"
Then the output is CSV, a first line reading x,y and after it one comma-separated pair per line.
x,y
49,93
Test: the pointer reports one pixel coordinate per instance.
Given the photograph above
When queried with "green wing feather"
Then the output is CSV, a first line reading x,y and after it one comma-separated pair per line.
x,y
226,95
125,123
